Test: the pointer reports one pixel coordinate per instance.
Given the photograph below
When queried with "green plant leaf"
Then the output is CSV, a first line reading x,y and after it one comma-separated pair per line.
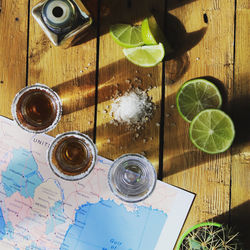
x,y
194,245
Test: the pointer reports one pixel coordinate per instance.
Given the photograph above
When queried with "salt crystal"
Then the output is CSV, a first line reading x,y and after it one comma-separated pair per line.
x,y
132,108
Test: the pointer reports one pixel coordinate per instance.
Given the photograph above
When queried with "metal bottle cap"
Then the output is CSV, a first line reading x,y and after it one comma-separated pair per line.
x,y
59,15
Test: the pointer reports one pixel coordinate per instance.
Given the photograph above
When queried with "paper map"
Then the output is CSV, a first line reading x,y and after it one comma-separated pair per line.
x,y
38,210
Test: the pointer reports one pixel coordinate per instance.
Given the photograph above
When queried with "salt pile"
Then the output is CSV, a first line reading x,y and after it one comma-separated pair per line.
x,y
133,108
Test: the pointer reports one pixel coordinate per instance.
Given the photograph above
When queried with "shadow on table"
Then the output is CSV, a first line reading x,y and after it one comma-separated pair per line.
x,y
239,109
173,4
178,60
239,219
80,93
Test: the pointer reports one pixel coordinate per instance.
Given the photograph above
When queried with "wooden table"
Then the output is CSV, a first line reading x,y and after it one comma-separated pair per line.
x,y
211,39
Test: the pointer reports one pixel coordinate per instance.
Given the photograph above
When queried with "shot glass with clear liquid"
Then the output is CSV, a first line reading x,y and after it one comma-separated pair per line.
x,y
72,155
37,108
132,177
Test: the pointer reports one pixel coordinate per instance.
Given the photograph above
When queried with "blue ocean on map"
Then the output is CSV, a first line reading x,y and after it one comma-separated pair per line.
x,y
2,225
22,174
106,225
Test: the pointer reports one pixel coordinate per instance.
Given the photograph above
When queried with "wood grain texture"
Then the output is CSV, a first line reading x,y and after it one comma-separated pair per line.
x,y
117,75
202,35
13,51
240,106
70,72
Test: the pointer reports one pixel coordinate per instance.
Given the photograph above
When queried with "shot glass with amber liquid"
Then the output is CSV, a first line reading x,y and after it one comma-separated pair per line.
x,y
72,155
132,178
37,108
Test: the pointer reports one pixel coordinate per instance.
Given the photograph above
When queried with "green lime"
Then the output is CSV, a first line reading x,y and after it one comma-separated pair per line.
x,y
126,35
195,96
151,32
212,131
145,56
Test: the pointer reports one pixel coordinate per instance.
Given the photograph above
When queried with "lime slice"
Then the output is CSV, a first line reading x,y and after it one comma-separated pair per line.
x,y
126,35
145,56
212,131
151,32
195,96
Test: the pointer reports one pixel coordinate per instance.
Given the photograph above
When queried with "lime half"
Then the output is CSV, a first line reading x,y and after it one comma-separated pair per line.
x,y
197,95
145,56
126,35
212,131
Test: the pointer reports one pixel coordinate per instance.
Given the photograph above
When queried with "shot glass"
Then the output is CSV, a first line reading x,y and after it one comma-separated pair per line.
x,y
72,155
132,178
37,108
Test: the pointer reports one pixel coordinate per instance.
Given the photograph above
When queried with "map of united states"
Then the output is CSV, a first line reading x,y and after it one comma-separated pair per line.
x,y
38,210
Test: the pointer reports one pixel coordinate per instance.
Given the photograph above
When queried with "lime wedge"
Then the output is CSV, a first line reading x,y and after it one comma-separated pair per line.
x,y
145,56
195,96
126,35
151,32
212,131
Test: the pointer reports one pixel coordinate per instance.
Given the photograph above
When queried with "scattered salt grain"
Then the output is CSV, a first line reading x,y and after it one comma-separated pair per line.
x,y
132,108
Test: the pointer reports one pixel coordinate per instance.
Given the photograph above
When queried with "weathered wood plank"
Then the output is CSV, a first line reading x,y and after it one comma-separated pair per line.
x,y
117,75
71,72
13,51
240,108
202,34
